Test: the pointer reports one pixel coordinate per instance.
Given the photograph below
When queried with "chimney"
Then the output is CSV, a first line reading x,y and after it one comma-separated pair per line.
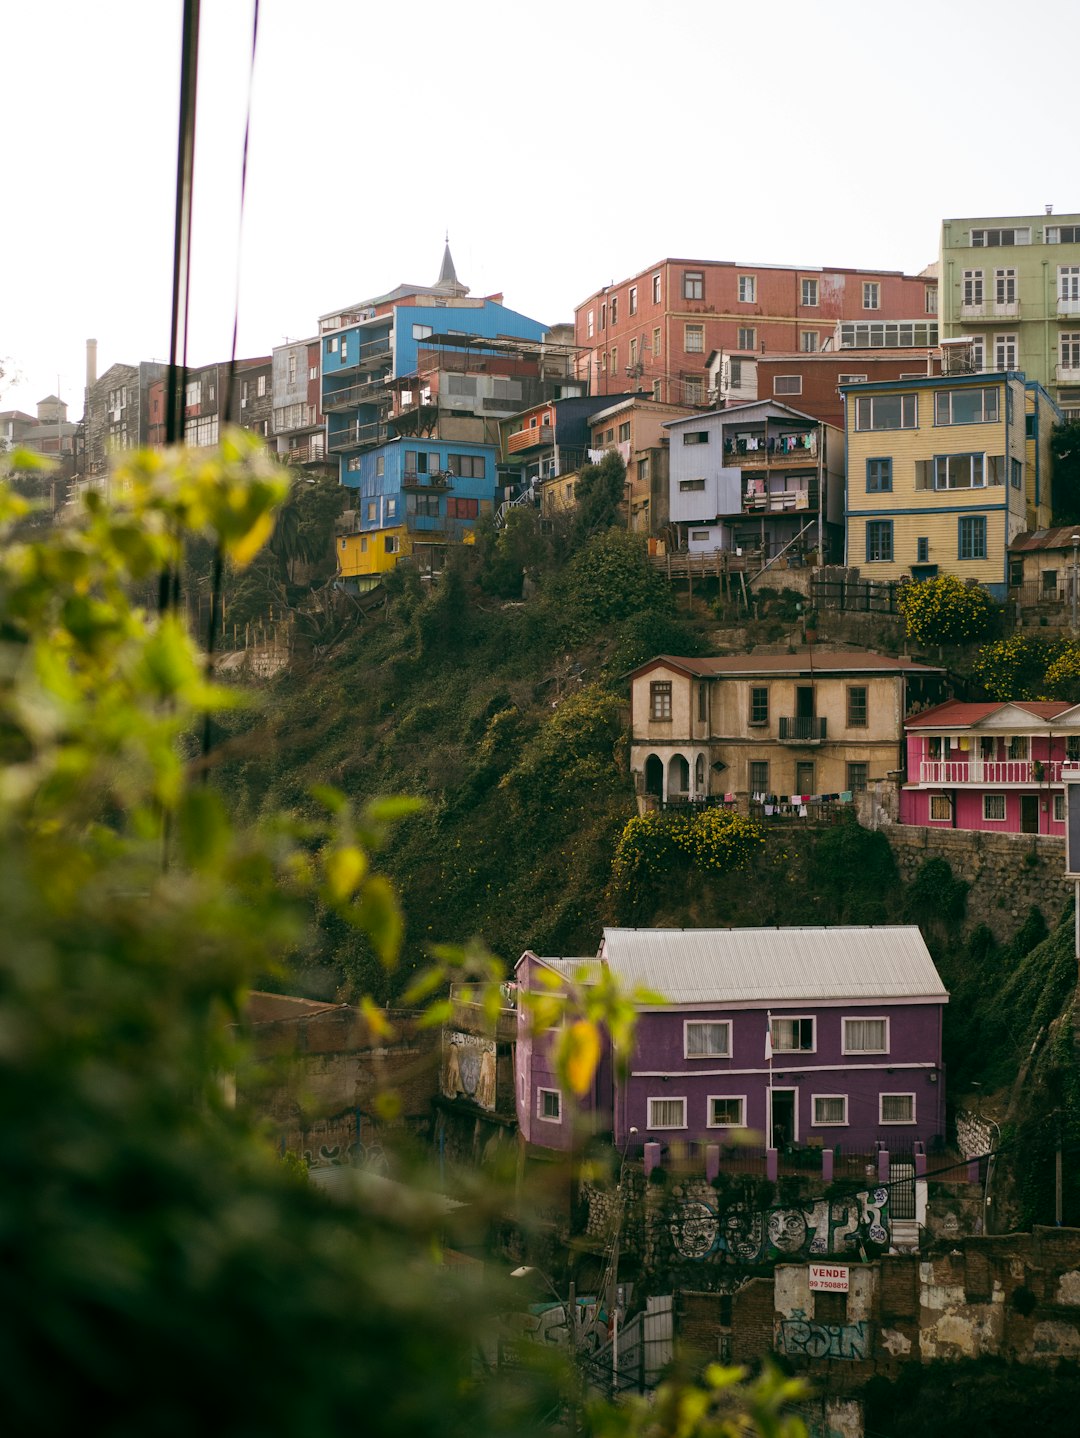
x,y
1049,209
91,363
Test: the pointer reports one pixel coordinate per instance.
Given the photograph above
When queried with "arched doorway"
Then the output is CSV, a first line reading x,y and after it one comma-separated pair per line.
x,y
654,776
700,783
678,777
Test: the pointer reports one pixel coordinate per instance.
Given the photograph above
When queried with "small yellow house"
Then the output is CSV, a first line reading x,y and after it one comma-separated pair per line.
x,y
938,475
367,557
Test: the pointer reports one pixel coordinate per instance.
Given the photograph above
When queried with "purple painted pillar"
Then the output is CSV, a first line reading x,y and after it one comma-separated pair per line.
x,y
712,1161
883,1165
652,1157
827,1158
920,1165
772,1165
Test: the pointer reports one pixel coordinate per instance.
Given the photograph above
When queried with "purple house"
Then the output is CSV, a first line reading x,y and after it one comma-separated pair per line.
x,y
810,1037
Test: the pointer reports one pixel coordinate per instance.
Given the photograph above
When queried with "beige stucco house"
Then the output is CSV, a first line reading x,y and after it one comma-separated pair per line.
x,y
781,724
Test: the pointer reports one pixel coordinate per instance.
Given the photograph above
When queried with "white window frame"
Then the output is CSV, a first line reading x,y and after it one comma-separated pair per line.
x,y
1068,283
656,289
817,1122
1006,348
810,295
751,342
846,1048
808,342
865,406
897,1122
541,1095
631,304
689,1024
792,383
1059,808
871,295
697,332
791,1019
1069,349
663,1127
1005,286
748,289
995,818
738,1098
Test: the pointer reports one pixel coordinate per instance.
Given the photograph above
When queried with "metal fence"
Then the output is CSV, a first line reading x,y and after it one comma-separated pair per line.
x,y
853,596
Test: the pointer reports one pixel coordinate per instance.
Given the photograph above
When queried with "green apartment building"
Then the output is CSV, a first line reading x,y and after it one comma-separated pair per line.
x,y
1013,285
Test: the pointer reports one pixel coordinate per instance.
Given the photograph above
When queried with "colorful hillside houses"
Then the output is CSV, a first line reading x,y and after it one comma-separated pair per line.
x,y
414,383
944,472
784,1038
990,766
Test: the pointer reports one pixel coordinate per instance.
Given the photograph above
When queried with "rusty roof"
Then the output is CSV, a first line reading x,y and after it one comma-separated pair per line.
x,y
849,661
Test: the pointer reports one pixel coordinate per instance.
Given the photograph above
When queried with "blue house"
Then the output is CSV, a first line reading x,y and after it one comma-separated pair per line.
x,y
414,383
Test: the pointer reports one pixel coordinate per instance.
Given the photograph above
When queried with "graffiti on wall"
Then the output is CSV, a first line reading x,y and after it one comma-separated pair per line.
x,y
802,1337
743,1234
468,1068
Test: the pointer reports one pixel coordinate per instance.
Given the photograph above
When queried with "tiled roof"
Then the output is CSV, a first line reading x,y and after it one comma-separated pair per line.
x,y
956,714
782,966
821,661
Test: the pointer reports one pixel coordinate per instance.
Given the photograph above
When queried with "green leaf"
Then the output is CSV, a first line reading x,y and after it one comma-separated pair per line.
x,y
203,829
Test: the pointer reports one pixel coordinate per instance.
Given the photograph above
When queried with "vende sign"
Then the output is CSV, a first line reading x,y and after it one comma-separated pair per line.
x,y
827,1278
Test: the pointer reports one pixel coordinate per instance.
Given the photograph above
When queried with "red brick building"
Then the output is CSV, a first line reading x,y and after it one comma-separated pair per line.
x,y
656,330
810,382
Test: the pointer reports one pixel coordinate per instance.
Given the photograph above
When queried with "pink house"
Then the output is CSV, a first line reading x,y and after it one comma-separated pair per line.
x,y
993,766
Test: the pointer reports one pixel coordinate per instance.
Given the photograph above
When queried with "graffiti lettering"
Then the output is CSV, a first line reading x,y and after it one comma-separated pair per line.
x,y
804,1338
745,1235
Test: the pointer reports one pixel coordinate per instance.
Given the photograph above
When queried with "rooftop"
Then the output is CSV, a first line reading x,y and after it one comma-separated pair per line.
x,y
783,966
955,714
852,661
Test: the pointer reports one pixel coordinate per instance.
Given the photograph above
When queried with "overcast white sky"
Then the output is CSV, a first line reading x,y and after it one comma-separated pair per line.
x,y
563,145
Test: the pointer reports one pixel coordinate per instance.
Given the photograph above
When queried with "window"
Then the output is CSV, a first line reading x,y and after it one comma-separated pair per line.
x,y
735,372
787,384
808,342
693,389
866,1036
657,387
694,339
922,550
693,285
871,295
727,1112
633,354
758,776
706,1040
966,406
994,808
941,807
688,486
1072,748
656,289
292,369
702,703
1005,287
632,305
810,292
1049,579
656,344
466,466
1059,808
660,699
332,346
988,239
462,508
313,372
614,360
344,349
353,463
667,1113
792,1036
624,432
878,476
759,704
887,334
1019,747
1069,284
192,395
372,510
614,310
858,775
391,508
897,1108
931,299
1063,234
830,1110
1004,351
549,1105
856,706
887,411
590,324
971,538
747,289
426,506
1016,474
380,465
416,461
879,541
1070,351
696,436
851,379
391,544
959,471
747,338
978,355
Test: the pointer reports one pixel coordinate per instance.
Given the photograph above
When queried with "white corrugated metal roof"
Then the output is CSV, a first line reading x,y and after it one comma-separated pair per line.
x,y
740,966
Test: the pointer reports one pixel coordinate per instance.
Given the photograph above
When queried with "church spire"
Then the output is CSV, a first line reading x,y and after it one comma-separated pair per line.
x,y
448,281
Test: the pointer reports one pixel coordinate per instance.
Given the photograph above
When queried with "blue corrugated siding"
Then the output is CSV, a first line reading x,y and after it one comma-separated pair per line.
x,y
491,320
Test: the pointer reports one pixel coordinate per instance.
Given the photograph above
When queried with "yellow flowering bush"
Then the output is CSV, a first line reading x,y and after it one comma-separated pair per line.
x,y
1063,675
1015,668
944,610
654,845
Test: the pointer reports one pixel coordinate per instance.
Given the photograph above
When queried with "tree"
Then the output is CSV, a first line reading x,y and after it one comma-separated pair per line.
x,y
1063,675
1015,668
609,579
944,610
598,496
161,1270
1065,451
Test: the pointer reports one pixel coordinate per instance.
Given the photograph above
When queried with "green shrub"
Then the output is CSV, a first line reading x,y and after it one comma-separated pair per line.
x,y
944,610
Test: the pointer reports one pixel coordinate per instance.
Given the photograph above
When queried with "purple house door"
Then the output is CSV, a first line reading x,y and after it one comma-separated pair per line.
x,y
783,1117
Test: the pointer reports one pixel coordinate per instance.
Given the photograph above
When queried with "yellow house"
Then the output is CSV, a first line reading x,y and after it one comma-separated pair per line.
x,y
938,475
367,557
812,723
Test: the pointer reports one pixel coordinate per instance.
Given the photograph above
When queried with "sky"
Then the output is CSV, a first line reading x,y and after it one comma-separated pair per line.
x,y
562,146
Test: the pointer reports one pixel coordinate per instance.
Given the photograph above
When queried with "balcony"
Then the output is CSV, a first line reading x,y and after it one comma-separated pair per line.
x,y
439,480
357,436
537,436
368,391
308,451
997,310
1067,373
802,729
781,501
773,452
374,352
1068,308
988,771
